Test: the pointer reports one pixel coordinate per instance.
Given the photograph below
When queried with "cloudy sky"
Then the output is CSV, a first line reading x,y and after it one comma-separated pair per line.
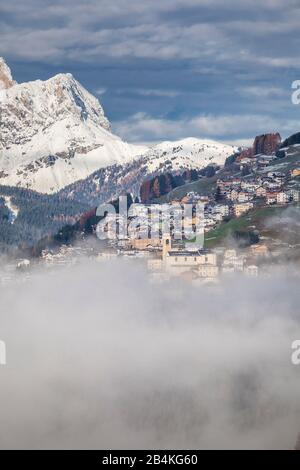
x,y
166,69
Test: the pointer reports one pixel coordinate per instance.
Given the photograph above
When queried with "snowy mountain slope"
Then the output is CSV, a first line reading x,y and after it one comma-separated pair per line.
x,y
190,153
169,157
53,133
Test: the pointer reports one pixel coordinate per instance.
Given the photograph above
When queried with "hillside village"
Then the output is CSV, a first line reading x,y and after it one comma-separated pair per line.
x,y
270,183
253,188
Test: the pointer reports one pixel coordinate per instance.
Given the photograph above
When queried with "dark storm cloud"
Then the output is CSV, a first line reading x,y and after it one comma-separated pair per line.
x,y
202,54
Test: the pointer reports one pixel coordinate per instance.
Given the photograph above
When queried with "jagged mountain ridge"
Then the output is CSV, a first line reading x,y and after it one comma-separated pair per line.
x,y
53,133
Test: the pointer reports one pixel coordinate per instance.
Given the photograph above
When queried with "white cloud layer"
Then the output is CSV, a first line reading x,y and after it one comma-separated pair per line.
x,y
99,358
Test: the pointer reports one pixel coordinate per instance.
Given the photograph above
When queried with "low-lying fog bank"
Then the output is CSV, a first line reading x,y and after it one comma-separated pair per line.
x,y
98,357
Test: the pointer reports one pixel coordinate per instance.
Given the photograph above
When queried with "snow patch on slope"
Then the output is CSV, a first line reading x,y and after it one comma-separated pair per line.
x,y
13,210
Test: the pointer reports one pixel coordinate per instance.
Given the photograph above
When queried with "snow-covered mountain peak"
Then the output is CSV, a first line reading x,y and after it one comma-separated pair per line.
x,y
55,99
6,80
53,133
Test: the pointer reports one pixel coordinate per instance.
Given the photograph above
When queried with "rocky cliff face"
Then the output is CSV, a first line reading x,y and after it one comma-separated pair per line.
x,y
266,144
156,187
246,153
162,184
6,80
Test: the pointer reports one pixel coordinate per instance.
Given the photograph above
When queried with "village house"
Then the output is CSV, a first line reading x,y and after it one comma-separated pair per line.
x,y
194,197
209,222
222,209
233,195
271,197
229,253
236,182
244,196
259,250
232,262
283,198
208,271
145,243
261,192
217,217
249,186
242,208
294,195
272,185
